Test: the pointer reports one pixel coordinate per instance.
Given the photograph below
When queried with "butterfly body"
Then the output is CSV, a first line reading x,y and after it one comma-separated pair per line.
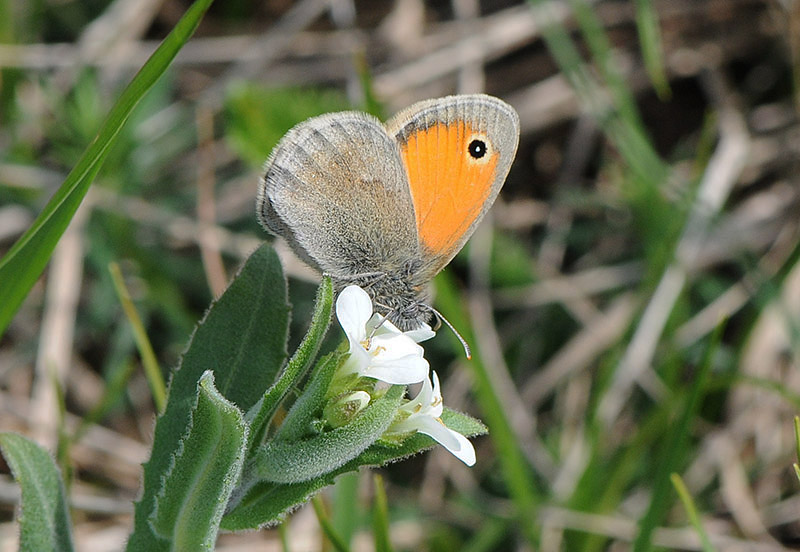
x,y
387,206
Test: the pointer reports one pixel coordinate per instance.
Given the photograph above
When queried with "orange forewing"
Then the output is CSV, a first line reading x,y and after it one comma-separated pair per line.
x,y
448,186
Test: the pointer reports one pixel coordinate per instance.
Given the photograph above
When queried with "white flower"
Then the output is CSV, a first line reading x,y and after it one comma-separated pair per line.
x,y
424,416
386,354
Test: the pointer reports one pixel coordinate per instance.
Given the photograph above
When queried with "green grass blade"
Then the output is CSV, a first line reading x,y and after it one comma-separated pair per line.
x,y
675,449
372,104
614,108
603,57
517,472
22,265
324,519
151,369
489,536
44,522
797,445
346,506
380,517
115,388
691,511
650,39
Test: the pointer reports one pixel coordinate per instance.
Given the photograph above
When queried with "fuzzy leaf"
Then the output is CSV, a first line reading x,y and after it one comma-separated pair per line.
x,y
265,408
195,490
282,461
309,405
267,503
242,339
44,518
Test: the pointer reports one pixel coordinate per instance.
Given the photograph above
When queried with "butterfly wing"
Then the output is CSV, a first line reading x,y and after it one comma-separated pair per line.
x,y
335,188
457,152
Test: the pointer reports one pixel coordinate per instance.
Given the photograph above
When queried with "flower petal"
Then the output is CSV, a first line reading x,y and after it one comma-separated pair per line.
x,y
423,333
421,402
435,405
394,346
404,370
383,325
453,441
353,309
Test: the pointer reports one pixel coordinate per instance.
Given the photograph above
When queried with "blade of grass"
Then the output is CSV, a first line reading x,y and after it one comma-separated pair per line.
x,y
489,536
691,512
22,265
284,534
613,104
380,517
606,479
63,444
327,528
650,40
346,506
797,443
675,449
372,104
517,472
603,58
153,373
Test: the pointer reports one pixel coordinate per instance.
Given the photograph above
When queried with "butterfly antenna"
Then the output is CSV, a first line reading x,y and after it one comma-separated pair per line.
x,y
440,318
384,318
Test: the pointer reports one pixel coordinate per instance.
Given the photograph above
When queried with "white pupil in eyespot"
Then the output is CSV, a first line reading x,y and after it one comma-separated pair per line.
x,y
477,148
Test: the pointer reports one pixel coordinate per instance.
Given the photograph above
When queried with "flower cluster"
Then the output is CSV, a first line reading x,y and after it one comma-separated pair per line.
x,y
379,350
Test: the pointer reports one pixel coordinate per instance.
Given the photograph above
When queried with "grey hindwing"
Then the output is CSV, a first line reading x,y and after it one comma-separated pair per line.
x,y
336,189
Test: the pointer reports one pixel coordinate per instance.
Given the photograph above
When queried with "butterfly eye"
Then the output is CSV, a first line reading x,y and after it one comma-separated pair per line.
x,y
477,149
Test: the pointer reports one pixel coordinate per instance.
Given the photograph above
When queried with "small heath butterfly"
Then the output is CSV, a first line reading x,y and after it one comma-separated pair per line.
x,y
387,206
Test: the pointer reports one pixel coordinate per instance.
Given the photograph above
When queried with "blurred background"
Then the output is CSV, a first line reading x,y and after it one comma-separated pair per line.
x,y
633,298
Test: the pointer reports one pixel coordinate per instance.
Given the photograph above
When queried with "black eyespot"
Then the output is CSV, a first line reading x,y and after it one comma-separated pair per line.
x,y
477,149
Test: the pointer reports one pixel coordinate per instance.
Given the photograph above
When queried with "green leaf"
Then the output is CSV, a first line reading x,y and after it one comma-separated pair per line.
x,y
465,424
194,492
296,368
44,519
242,339
23,264
309,406
243,336
296,461
267,503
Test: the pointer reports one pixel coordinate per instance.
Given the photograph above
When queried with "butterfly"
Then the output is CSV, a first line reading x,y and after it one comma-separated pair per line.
x,y
387,206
